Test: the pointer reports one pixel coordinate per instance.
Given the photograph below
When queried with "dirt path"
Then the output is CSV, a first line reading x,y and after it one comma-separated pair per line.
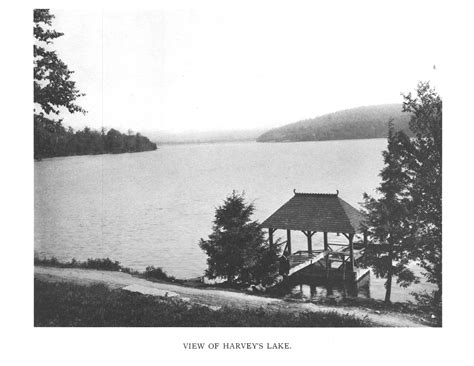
x,y
213,297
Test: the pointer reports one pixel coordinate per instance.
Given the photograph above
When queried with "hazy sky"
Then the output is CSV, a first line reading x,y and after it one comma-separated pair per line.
x,y
241,68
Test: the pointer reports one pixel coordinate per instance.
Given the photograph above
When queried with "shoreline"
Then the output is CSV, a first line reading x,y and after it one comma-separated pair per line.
x,y
216,298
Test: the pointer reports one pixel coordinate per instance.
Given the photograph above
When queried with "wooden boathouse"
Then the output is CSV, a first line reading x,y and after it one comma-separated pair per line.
x,y
324,213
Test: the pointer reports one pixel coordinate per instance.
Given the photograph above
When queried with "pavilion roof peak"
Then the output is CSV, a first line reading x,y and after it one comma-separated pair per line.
x,y
316,194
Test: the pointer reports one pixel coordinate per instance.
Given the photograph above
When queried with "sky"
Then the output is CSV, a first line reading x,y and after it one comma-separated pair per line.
x,y
204,69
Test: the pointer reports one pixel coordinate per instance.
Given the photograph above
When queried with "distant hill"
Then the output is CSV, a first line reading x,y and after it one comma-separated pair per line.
x,y
356,123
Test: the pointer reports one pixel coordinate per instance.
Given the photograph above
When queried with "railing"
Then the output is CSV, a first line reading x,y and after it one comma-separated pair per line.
x,y
303,252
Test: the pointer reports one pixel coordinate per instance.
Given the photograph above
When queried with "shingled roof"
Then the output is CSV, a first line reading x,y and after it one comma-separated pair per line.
x,y
321,212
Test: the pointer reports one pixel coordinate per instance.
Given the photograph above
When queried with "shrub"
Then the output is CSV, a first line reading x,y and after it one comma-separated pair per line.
x,y
430,302
104,264
157,273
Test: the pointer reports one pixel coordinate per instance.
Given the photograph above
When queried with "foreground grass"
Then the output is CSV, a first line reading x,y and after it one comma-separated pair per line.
x,y
66,305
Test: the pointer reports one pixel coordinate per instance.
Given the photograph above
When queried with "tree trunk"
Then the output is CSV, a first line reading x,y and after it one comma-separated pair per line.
x,y
388,284
438,294
230,278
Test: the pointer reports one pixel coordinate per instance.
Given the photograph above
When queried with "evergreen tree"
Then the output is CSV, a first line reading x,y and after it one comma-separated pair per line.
x,y
424,161
388,219
411,202
237,248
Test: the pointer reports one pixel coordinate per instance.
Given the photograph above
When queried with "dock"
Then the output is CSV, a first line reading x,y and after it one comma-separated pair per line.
x,y
320,213
303,259
326,264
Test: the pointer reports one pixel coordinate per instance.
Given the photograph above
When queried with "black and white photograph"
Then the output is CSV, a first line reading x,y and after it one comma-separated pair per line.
x,y
269,169
214,215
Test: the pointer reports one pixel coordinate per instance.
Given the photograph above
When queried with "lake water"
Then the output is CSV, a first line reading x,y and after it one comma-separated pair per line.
x,y
152,208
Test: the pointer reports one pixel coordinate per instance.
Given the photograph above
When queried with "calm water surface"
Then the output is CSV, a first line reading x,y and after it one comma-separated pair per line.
x,y
152,208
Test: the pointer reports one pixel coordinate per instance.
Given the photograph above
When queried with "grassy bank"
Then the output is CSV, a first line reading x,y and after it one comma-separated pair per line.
x,y
106,264
428,313
66,304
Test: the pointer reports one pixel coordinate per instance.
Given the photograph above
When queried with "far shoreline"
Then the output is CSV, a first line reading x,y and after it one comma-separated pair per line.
x,y
193,143
262,142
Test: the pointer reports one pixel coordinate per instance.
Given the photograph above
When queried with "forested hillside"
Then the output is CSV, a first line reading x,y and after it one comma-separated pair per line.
x,y
52,139
356,123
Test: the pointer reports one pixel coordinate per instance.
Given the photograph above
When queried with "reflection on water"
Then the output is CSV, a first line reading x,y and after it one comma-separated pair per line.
x,y
369,287
319,289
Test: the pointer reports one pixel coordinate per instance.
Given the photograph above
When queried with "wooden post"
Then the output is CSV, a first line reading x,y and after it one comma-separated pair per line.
x,y
351,251
343,267
309,235
288,240
326,247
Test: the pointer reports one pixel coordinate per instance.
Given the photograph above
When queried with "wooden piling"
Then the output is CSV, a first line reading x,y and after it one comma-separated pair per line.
x,y
270,235
326,247
288,240
343,268
351,251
